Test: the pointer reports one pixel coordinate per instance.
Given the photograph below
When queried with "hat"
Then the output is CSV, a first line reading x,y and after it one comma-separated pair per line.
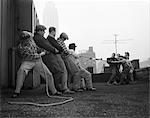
x,y
72,45
40,27
25,35
64,35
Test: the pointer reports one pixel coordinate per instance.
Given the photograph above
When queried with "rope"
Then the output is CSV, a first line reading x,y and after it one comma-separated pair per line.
x,y
69,99
91,58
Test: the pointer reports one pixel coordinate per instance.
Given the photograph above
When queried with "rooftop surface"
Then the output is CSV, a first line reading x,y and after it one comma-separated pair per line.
x,y
124,101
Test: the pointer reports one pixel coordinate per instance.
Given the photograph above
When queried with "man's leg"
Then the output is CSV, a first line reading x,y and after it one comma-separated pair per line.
x,y
51,62
64,74
69,81
46,74
76,81
22,72
118,76
73,69
131,77
20,79
113,74
82,85
57,80
128,78
123,77
87,77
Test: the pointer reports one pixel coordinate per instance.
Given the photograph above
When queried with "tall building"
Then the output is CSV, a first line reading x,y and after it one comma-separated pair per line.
x,y
15,16
86,60
50,16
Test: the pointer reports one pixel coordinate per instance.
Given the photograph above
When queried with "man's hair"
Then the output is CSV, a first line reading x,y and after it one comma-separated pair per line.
x,y
25,35
127,53
113,54
52,29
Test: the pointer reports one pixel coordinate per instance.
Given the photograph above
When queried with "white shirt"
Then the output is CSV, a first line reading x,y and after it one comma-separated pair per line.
x,y
75,56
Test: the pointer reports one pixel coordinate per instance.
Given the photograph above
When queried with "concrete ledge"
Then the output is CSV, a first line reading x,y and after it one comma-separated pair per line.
x,y
139,74
142,73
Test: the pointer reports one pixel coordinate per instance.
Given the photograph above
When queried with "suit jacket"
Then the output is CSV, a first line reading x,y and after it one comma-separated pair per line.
x,y
115,66
43,43
54,43
51,60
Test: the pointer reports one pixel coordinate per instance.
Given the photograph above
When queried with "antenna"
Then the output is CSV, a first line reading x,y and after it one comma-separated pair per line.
x,y
115,41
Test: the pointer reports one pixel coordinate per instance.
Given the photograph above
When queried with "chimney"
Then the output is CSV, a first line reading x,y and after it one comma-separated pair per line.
x,y
91,49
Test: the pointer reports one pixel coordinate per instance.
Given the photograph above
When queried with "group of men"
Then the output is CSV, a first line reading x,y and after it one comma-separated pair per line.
x,y
121,69
50,58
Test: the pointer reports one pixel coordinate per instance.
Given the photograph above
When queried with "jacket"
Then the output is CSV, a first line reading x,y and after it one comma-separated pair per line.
x,y
43,43
27,50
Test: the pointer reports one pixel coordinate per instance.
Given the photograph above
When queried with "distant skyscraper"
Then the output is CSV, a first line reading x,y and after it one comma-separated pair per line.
x,y
50,16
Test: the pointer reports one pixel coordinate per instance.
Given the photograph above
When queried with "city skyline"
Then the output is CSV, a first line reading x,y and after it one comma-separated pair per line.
x,y
50,16
89,23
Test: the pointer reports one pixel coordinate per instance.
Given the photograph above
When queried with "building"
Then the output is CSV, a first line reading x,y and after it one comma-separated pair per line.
x,y
50,16
15,15
145,63
100,66
86,60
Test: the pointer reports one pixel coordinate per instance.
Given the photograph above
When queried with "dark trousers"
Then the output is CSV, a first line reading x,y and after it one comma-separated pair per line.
x,y
115,75
57,66
126,77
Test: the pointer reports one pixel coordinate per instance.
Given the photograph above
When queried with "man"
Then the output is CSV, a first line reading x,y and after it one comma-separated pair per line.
x,y
128,69
73,69
56,65
28,51
83,72
114,70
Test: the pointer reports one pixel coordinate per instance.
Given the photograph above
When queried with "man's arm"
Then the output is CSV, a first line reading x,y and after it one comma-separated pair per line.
x,y
27,53
63,45
111,61
118,62
43,43
54,43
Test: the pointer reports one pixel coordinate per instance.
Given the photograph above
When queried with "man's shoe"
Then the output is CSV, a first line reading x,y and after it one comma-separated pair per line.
x,y
91,89
132,82
78,90
108,83
84,89
58,93
15,95
68,92
115,83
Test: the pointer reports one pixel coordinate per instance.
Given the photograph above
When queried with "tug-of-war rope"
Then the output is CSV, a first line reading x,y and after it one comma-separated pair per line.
x,y
69,99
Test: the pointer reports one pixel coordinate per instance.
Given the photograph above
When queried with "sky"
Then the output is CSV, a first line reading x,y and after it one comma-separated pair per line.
x,y
94,23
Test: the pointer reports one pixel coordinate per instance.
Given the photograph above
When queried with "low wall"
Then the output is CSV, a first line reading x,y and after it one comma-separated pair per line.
x,y
142,74
100,77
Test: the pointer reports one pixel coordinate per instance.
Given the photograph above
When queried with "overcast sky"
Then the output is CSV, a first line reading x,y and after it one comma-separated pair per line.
x,y
94,22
